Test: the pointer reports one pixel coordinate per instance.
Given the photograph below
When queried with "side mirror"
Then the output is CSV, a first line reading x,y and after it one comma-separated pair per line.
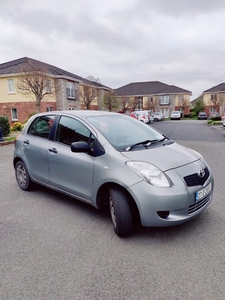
x,y
80,147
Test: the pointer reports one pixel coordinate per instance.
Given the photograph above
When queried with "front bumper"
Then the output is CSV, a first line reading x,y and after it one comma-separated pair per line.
x,y
162,207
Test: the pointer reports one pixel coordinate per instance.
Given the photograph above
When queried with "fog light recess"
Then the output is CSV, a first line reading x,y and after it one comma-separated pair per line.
x,y
163,214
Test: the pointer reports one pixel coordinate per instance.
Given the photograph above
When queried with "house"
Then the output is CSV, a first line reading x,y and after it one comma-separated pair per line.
x,y
69,90
155,96
214,99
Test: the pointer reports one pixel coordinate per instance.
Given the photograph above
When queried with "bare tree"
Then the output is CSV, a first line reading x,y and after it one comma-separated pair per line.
x,y
125,103
133,103
216,101
110,101
150,104
88,95
35,82
92,78
184,104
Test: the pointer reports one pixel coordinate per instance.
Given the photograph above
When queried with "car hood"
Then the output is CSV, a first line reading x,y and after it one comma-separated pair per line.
x,y
165,157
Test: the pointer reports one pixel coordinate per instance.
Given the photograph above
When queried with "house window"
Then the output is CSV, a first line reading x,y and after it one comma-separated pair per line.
x,y
49,108
164,100
11,88
70,90
48,86
180,98
213,97
14,114
165,112
150,99
139,102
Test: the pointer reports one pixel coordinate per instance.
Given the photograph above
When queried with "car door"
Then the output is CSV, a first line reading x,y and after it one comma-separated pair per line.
x,y
35,148
71,172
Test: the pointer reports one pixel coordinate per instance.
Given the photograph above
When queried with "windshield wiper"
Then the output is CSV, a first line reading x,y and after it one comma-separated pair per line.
x,y
145,143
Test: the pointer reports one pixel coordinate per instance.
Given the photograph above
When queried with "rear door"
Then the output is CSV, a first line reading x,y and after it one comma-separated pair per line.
x,y
35,146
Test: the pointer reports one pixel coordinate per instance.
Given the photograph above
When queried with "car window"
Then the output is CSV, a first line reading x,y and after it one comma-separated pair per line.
x,y
41,126
70,130
124,131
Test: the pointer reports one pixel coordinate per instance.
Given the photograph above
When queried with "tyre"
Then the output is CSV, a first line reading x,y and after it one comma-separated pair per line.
x,y
156,120
22,176
120,212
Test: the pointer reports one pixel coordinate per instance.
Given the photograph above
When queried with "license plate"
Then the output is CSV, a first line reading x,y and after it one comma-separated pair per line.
x,y
203,192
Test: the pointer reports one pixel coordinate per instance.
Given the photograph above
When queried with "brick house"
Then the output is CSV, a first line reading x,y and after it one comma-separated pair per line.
x,y
156,95
214,99
67,96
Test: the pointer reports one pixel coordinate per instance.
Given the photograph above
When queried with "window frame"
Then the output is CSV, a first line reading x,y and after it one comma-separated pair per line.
x,y
164,100
14,112
11,87
70,90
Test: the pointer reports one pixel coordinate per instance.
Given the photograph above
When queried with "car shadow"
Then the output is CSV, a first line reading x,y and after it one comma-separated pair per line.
x,y
181,232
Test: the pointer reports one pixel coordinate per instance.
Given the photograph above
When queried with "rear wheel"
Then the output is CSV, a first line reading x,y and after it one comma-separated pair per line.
x,y
120,211
22,176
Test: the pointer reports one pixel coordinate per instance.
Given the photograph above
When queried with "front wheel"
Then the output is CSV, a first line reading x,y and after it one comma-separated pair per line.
x,y
120,211
22,176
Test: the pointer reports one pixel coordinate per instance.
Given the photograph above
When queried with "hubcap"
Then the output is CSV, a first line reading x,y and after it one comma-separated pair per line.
x,y
21,175
112,212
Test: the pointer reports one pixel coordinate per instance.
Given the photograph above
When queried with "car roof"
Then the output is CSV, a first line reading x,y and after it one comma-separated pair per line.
x,y
80,113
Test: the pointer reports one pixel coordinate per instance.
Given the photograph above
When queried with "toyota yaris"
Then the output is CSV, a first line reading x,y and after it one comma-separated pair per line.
x,y
109,159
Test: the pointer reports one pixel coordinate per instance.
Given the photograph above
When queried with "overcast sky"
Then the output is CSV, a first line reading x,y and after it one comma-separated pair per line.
x,y
178,42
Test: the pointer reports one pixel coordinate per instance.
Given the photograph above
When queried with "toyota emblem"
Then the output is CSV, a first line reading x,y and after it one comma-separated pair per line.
x,y
201,173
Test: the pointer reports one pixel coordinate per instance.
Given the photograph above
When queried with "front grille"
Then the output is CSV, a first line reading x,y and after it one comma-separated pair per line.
x,y
198,205
194,179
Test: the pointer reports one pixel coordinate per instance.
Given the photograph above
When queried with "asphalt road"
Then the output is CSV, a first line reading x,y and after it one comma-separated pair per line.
x,y
54,247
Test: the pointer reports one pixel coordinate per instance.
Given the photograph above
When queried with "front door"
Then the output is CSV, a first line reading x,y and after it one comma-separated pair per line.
x,y
69,171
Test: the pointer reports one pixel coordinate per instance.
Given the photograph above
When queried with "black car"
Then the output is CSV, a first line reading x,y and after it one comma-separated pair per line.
x,y
202,116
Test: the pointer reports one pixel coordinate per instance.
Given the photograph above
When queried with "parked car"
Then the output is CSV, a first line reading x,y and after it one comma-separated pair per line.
x,y
223,121
202,116
142,116
175,115
216,115
109,159
158,116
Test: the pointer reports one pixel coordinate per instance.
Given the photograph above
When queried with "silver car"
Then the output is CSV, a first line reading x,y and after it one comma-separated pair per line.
x,y
175,115
109,159
157,116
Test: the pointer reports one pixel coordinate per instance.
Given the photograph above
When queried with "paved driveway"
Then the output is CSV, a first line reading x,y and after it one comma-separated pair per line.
x,y
54,247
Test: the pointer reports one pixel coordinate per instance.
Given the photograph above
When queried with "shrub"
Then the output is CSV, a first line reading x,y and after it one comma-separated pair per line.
x,y
211,122
216,118
4,124
17,126
192,114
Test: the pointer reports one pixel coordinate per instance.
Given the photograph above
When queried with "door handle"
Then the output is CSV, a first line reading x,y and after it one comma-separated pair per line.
x,y
53,150
26,142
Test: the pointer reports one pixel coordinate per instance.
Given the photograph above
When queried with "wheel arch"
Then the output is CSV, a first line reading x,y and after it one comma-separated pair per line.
x,y
103,197
15,161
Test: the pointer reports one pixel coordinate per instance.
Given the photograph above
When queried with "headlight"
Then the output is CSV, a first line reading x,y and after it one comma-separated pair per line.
x,y
149,173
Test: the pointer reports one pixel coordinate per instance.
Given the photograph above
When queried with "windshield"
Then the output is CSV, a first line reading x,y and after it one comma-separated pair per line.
x,y
124,131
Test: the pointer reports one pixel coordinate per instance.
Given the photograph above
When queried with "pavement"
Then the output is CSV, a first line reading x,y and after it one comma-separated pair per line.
x,y
12,134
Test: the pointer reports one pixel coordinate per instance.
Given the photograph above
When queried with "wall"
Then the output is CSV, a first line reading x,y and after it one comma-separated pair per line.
x,y
24,109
